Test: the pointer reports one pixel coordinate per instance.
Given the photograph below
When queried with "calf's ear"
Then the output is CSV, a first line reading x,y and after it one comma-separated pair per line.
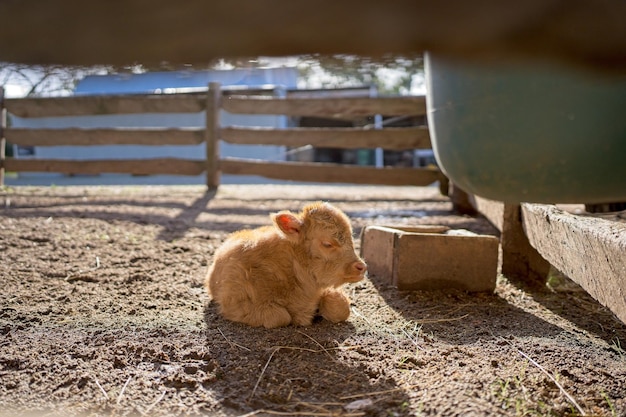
x,y
288,223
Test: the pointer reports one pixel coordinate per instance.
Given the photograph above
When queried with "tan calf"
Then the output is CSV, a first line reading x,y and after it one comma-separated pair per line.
x,y
282,274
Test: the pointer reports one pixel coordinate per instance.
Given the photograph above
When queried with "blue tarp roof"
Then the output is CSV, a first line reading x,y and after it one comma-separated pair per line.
x,y
151,82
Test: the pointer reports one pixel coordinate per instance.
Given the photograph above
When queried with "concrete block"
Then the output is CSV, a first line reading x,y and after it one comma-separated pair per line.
x,y
431,257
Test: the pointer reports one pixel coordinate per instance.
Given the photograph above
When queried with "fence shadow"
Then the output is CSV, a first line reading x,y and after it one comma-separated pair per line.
x,y
187,216
175,215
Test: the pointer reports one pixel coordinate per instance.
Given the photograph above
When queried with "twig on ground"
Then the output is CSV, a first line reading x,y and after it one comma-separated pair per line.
x,y
412,340
358,313
431,321
158,400
81,276
119,397
371,394
231,343
319,407
298,413
252,413
101,389
258,381
546,373
319,344
553,379
276,349
321,410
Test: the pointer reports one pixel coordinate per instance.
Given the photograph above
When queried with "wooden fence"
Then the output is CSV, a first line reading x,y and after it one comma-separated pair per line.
x,y
212,102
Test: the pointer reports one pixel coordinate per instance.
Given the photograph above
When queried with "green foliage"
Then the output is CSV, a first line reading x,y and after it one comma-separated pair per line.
x,y
390,74
38,80
617,347
610,404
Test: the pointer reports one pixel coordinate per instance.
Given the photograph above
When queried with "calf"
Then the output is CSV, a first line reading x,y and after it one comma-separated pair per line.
x,y
282,274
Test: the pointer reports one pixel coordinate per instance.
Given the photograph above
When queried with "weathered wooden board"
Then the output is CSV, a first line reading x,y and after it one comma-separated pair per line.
x,y
77,32
156,166
348,107
103,105
520,261
590,251
318,172
397,138
109,136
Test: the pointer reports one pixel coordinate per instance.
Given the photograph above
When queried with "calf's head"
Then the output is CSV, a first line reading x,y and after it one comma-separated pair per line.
x,y
322,239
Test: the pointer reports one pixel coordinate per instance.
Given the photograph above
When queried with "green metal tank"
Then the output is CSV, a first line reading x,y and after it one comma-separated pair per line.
x,y
542,134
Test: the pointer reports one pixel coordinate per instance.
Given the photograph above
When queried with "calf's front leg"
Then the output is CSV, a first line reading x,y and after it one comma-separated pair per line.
x,y
334,306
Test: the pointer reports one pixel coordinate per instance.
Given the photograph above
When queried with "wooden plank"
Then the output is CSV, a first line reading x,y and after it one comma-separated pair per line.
x,y
520,261
165,166
323,172
413,259
492,210
103,105
590,251
108,136
343,138
349,107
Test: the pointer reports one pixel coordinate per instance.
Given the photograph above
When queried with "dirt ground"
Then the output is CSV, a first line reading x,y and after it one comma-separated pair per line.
x,y
103,312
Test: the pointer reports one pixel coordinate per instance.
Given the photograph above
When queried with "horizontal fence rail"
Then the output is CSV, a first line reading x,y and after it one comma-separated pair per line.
x,y
108,136
330,173
104,105
154,166
342,138
325,107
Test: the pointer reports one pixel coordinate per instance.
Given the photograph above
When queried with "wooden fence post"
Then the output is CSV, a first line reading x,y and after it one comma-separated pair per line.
x,y
3,142
213,104
520,261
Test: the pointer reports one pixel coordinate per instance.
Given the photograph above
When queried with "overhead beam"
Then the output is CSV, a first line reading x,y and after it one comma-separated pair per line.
x,y
76,32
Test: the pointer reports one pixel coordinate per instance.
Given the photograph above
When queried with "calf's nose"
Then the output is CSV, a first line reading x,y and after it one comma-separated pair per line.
x,y
359,266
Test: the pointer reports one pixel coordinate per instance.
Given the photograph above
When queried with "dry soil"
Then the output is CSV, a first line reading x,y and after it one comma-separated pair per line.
x,y
103,312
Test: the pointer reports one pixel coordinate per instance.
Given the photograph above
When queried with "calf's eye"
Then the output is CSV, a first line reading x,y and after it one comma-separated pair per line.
x,y
326,244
